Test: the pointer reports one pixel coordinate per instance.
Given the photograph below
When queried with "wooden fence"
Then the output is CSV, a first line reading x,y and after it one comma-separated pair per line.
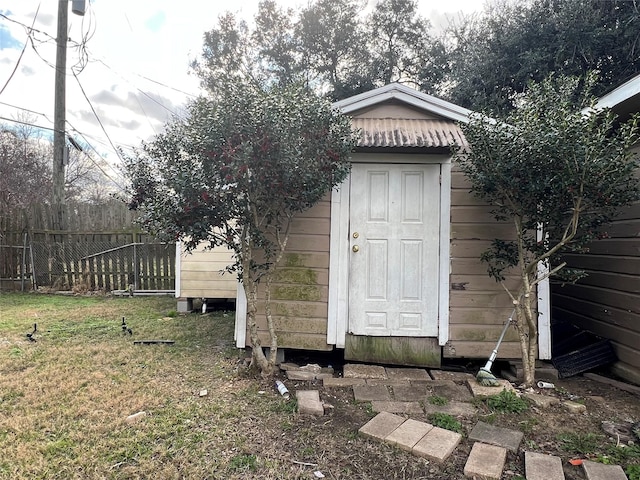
x,y
100,249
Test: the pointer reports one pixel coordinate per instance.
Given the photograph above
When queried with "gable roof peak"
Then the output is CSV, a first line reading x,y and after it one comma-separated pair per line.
x,y
406,95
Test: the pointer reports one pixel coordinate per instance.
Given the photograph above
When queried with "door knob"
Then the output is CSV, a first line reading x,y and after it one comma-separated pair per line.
x,y
355,248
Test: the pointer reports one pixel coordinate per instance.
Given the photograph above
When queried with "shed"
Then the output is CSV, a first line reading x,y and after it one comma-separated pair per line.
x,y
607,301
387,266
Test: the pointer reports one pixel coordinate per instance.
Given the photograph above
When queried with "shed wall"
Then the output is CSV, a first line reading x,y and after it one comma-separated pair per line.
x,y
479,306
607,301
300,289
201,274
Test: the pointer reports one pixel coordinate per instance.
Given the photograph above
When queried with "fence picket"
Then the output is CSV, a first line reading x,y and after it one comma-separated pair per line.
x,y
96,252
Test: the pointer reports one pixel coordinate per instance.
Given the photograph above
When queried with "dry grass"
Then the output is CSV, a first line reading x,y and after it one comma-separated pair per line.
x,y
64,398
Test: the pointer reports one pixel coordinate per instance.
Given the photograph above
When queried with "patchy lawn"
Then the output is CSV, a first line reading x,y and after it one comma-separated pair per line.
x,y
64,399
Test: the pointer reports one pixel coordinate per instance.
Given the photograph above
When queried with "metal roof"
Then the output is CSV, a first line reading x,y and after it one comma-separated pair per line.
x,y
399,132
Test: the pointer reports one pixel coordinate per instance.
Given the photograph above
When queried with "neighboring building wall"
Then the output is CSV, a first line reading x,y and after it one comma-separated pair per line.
x,y
607,302
479,306
201,275
300,290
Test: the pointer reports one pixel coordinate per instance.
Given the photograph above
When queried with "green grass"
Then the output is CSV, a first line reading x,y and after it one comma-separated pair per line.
x,y
446,421
580,443
507,402
437,400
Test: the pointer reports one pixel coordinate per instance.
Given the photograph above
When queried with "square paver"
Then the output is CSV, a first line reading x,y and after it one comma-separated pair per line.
x,y
342,382
408,373
485,461
409,393
457,409
502,437
600,471
458,377
366,393
481,391
542,467
380,426
386,381
309,402
357,370
408,434
396,407
452,391
437,444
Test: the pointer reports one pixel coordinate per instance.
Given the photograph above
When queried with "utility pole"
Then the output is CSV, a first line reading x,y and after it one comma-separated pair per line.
x,y
59,119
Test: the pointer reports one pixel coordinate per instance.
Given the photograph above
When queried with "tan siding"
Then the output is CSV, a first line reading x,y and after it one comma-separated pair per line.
x,y
301,285
479,306
201,277
393,110
459,349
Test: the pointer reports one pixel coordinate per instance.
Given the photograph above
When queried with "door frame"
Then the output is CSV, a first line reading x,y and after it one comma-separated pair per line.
x,y
338,301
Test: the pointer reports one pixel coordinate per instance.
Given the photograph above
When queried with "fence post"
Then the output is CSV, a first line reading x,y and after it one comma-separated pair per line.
x,y
23,266
135,261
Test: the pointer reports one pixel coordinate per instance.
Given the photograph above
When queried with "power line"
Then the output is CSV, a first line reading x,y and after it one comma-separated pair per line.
x,y
95,114
24,47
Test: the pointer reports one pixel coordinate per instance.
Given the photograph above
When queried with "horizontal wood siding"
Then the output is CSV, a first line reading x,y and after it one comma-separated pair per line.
x,y
607,301
202,274
301,286
478,304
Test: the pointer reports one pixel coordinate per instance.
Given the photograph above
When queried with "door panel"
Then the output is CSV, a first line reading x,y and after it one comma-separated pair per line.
x,y
394,229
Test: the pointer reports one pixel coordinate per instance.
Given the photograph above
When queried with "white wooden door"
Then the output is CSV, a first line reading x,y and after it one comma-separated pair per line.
x,y
394,264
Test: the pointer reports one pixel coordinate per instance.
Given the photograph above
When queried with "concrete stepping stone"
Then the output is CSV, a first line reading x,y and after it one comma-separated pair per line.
x,y
409,393
501,437
366,393
485,461
413,374
437,444
408,434
456,409
387,381
380,426
343,382
397,407
358,370
542,467
600,471
309,402
458,377
541,401
481,391
451,390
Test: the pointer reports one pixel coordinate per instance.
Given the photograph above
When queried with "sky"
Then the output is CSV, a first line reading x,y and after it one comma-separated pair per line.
x,y
132,74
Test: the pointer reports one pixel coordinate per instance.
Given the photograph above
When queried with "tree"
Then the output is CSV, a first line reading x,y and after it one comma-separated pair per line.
x,y
234,172
558,175
492,57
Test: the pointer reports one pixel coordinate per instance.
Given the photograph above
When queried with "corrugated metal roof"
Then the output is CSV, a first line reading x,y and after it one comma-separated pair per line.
x,y
400,132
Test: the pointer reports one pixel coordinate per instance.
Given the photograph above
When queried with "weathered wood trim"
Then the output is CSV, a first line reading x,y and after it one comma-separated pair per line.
x,y
338,302
240,333
178,269
444,252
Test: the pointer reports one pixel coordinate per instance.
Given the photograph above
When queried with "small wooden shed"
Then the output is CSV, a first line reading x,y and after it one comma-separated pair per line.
x,y
607,301
387,266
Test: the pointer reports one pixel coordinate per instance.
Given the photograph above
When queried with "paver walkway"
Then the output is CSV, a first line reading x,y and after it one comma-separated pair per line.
x,y
420,438
407,391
